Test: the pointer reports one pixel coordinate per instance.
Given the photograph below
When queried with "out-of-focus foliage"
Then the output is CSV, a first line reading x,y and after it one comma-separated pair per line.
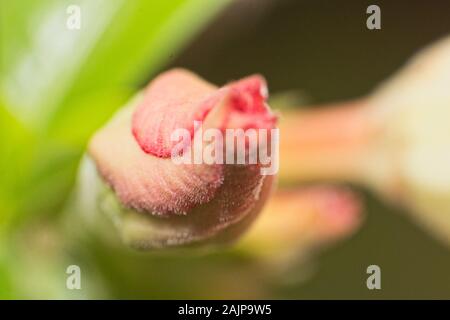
x,y
57,85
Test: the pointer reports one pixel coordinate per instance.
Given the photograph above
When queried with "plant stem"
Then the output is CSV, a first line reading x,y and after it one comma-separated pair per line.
x,y
327,143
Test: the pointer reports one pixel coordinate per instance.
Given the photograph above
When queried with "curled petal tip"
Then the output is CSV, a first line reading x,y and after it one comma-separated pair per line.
x,y
178,98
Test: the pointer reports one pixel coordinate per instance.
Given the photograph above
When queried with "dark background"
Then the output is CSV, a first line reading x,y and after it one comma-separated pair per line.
x,y
324,49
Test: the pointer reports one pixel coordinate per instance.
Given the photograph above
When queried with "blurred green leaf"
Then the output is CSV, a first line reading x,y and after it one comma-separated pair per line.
x,y
58,85
16,151
119,42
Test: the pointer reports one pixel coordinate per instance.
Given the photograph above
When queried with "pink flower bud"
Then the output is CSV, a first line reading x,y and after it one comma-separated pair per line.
x,y
167,204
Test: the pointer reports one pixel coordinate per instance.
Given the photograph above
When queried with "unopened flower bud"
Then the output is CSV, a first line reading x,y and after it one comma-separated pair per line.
x,y
158,202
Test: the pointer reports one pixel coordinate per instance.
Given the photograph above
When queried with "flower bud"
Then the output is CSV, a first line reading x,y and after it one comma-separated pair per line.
x,y
413,111
158,202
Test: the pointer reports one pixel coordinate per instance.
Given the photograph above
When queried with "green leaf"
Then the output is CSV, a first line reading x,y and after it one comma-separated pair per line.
x,y
46,65
58,85
16,153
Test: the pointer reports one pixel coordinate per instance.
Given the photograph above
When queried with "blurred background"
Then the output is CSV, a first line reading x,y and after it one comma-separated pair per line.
x,y
59,85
